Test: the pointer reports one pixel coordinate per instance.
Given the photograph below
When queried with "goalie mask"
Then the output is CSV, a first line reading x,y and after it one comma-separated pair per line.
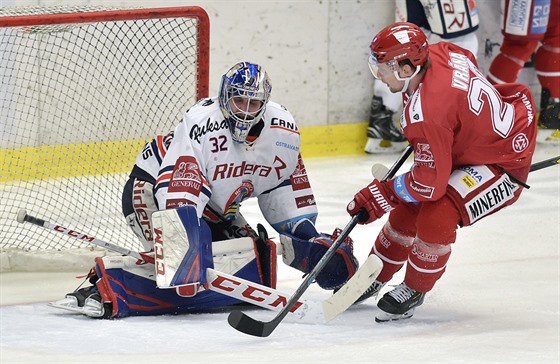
x,y
244,93
395,43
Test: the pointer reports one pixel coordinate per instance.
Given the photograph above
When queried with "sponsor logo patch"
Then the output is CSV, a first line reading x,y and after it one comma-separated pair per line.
x,y
493,199
468,181
423,155
305,201
424,191
173,203
520,142
186,176
198,131
231,170
299,178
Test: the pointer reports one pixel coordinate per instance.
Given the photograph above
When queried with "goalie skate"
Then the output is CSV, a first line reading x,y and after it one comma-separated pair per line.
x,y
93,307
74,302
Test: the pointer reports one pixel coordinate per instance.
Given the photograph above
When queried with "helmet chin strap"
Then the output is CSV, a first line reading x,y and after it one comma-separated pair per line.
x,y
406,79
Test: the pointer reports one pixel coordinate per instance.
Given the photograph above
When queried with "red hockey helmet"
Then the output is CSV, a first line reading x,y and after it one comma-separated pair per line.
x,y
398,42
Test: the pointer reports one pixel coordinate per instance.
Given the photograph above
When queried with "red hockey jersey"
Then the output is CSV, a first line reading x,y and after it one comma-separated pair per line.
x,y
456,118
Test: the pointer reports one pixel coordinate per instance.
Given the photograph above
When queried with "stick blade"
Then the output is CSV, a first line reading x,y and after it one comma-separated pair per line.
x,y
248,325
347,295
379,171
22,214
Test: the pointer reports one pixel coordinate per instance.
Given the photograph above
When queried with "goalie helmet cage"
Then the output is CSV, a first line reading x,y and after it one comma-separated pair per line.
x,y
83,89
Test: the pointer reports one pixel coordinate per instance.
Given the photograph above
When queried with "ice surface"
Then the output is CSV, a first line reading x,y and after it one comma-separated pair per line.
x,y
498,302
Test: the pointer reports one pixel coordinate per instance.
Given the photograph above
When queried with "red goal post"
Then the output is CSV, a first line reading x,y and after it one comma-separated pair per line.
x,y
83,88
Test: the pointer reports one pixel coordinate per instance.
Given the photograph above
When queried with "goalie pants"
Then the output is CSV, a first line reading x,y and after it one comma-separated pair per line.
x,y
420,235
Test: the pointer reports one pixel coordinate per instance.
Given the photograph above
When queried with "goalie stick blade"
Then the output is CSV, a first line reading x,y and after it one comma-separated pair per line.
x,y
248,325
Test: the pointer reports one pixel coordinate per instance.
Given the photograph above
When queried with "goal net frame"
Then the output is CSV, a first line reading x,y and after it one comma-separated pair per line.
x,y
38,175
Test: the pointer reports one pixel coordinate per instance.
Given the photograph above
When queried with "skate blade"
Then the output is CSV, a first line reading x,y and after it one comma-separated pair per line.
x,y
386,317
67,304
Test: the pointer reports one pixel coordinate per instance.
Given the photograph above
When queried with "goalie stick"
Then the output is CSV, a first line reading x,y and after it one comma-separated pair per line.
x,y
22,217
306,311
303,311
248,325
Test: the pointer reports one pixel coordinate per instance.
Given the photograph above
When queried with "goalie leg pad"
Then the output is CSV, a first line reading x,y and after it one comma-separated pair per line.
x,y
129,289
131,292
305,254
182,246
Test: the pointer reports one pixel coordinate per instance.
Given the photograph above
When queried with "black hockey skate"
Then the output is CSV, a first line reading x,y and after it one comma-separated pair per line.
x,y
399,303
549,119
383,135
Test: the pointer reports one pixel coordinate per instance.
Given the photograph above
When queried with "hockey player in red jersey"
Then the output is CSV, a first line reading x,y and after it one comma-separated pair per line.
x,y
454,21
473,144
529,26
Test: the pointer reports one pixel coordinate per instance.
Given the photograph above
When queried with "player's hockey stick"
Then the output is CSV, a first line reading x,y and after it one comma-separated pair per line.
x,y
248,325
545,163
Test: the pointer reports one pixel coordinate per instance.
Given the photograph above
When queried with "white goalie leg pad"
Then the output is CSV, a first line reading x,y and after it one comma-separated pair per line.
x,y
183,250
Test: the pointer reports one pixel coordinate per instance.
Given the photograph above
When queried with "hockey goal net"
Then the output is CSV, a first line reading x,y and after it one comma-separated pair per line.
x,y
83,88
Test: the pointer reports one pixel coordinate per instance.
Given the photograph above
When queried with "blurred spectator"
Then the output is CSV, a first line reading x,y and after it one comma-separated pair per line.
x,y
528,27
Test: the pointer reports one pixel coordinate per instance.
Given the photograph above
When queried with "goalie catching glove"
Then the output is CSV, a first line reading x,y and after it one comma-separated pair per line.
x,y
372,202
306,247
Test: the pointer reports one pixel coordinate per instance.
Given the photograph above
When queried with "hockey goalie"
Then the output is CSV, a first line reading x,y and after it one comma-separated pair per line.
x,y
183,199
